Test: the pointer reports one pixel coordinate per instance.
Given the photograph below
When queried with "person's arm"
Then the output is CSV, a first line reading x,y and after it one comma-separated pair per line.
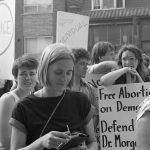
x,y
143,132
95,121
18,141
94,101
111,77
92,143
103,67
6,106
134,72
133,76
48,141
139,79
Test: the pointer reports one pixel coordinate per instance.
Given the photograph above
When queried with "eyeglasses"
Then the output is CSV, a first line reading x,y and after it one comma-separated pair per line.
x,y
129,59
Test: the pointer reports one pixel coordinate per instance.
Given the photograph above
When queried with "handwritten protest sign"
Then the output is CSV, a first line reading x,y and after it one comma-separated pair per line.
x,y
117,109
7,41
94,80
72,29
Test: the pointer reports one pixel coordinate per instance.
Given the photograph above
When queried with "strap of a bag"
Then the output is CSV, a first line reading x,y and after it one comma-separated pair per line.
x,y
52,114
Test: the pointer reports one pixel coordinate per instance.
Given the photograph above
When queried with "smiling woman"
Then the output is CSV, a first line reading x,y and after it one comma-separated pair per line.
x,y
25,65
130,65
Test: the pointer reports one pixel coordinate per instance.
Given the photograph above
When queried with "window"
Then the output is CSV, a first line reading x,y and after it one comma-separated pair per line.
x,y
120,4
35,45
36,6
96,4
117,34
108,4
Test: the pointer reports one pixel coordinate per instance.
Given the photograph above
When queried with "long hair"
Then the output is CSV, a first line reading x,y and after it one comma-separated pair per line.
x,y
138,54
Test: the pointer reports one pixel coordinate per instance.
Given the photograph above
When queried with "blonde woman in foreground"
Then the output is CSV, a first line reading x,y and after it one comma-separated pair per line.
x,y
40,120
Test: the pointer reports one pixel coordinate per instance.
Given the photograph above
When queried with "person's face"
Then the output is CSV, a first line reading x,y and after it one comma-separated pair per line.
x,y
81,67
26,78
110,55
129,60
59,74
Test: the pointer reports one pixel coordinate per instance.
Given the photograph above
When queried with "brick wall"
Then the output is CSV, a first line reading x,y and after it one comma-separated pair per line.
x,y
38,24
59,5
43,24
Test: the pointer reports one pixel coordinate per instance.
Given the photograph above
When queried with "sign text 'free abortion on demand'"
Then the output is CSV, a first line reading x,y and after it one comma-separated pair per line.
x,y
118,105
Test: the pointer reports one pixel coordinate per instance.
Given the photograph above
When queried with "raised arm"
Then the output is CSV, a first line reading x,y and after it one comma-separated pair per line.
x,y
111,77
103,67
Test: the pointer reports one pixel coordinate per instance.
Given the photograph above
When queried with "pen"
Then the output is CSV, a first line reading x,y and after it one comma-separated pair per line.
x,y
68,130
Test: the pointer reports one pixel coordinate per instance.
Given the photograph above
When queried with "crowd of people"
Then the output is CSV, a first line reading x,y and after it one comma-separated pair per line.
x,y
49,96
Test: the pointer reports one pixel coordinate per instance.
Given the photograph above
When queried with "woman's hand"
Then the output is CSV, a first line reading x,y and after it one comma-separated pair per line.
x,y
131,70
134,73
53,139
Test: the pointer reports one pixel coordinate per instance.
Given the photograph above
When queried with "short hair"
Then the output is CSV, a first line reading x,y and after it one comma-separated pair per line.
x,y
80,53
26,60
51,54
100,49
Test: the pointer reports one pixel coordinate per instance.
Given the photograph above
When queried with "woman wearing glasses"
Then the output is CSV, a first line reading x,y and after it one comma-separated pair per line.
x,y
130,65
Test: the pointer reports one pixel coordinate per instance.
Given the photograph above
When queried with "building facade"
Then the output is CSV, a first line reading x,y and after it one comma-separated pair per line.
x,y
120,22
116,21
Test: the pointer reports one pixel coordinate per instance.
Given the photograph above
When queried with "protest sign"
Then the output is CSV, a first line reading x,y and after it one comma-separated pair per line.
x,y
7,40
118,105
94,80
72,29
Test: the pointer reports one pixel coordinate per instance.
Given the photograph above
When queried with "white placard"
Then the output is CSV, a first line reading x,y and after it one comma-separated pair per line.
x,y
72,29
117,108
7,40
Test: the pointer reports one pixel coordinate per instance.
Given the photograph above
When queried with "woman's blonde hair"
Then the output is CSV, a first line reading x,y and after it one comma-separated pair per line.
x,y
50,55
